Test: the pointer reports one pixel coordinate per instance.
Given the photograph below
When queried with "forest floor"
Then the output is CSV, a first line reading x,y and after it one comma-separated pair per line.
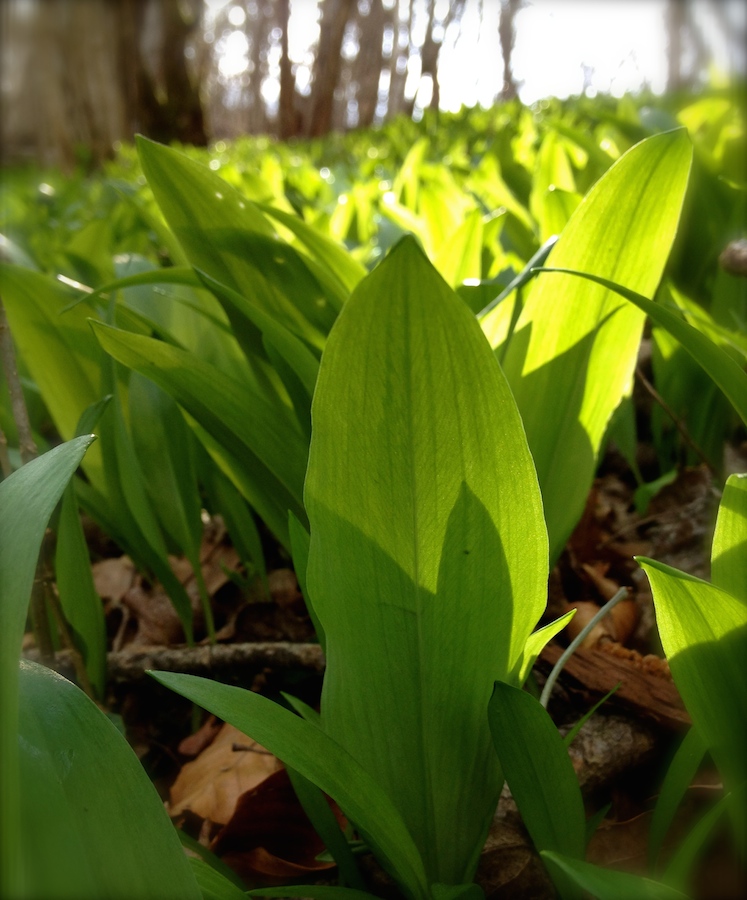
x,y
235,797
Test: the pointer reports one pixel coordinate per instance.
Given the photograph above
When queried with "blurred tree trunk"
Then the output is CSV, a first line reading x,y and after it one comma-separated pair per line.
x,y
370,62
71,91
81,81
328,63
289,122
507,38
400,58
675,19
177,112
429,55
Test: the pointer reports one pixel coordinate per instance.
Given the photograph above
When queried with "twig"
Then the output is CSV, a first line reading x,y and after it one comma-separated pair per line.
x,y
131,665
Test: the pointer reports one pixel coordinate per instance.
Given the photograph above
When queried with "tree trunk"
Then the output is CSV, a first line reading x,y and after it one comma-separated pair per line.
x,y
180,113
288,119
328,64
507,37
675,18
370,63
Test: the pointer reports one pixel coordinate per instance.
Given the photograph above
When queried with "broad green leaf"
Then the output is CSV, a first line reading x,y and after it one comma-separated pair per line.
x,y
573,353
606,884
678,779
704,634
92,823
538,770
318,757
460,256
729,553
292,349
27,499
718,364
340,263
300,540
256,433
427,564
226,235
264,493
57,348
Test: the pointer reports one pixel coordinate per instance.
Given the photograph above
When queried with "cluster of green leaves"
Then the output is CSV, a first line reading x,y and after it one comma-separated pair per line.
x,y
423,464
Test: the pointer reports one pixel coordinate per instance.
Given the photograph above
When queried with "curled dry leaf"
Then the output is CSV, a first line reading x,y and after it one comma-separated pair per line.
x,y
618,625
269,835
211,784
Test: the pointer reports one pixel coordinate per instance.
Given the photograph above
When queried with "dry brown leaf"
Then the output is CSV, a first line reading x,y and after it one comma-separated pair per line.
x,y
202,738
112,578
269,835
597,572
211,784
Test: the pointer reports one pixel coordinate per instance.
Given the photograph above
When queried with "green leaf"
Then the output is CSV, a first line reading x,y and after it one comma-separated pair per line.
x,y
337,260
57,348
604,884
716,362
680,774
226,235
573,353
80,603
460,257
704,634
325,824
689,849
163,443
314,891
427,564
318,757
213,884
27,499
729,553
260,436
92,823
300,539
536,642
538,770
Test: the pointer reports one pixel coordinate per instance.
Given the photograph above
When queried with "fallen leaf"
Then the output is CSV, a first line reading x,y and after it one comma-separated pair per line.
x,y
211,784
269,835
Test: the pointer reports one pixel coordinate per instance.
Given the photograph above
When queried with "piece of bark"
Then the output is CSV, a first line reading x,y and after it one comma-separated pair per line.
x,y
645,687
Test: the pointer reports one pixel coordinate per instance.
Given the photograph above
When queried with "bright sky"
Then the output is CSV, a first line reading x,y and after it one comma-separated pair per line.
x,y
562,47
